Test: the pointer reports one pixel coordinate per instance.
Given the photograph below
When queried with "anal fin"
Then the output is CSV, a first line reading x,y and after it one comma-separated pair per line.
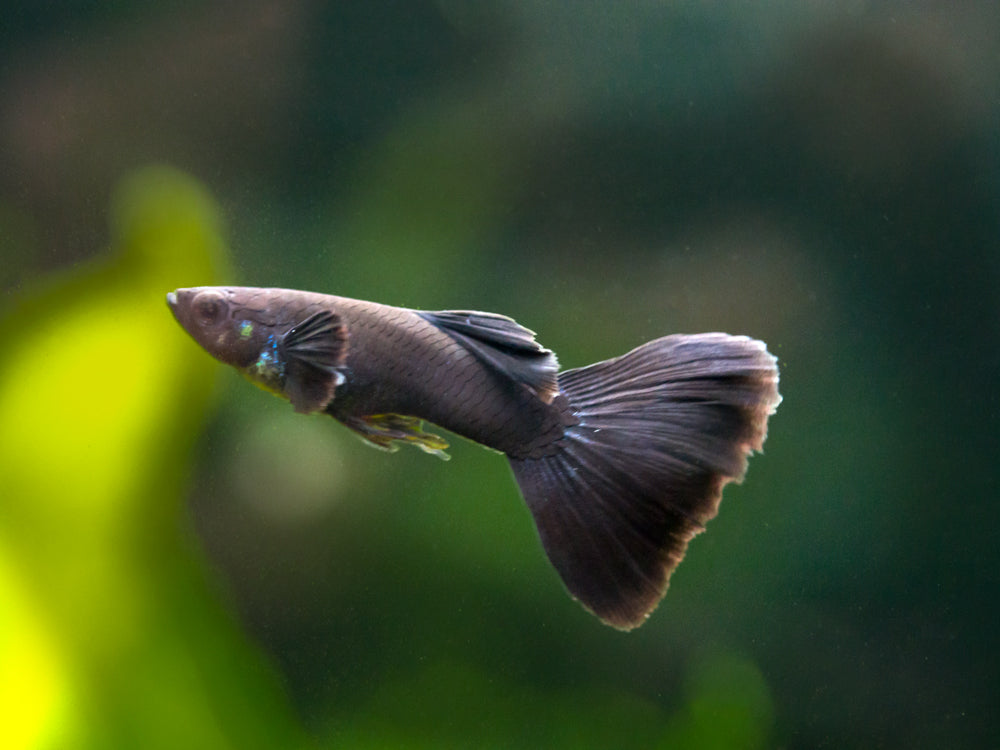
x,y
384,430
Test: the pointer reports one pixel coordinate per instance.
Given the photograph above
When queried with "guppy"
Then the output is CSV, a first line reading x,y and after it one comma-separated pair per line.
x,y
621,463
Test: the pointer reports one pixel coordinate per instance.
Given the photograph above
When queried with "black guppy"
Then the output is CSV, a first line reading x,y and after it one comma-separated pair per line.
x,y
621,463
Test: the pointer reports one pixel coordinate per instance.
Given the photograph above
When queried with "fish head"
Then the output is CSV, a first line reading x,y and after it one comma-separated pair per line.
x,y
223,324
281,340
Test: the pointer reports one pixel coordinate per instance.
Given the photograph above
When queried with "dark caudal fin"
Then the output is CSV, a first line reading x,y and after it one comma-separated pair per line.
x,y
661,430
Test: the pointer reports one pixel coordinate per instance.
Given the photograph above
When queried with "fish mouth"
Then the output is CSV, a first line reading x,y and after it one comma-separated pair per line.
x,y
176,301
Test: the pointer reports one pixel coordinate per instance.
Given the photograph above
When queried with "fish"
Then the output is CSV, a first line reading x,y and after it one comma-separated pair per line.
x,y
621,463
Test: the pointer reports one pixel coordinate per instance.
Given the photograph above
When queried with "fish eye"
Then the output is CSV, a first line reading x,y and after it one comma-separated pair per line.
x,y
209,307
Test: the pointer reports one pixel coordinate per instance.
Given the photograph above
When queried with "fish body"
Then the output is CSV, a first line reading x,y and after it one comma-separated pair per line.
x,y
621,463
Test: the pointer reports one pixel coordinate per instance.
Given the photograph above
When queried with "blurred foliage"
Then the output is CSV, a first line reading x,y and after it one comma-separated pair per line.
x,y
820,175
111,636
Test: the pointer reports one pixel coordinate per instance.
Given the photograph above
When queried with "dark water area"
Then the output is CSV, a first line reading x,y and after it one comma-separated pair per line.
x,y
824,177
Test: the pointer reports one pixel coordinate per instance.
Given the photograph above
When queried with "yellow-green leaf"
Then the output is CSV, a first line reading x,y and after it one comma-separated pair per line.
x,y
109,634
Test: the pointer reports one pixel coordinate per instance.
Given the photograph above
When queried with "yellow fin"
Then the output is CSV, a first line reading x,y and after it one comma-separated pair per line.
x,y
384,430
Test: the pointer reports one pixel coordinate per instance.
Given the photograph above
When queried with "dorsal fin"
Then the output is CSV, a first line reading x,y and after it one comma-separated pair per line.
x,y
503,344
313,352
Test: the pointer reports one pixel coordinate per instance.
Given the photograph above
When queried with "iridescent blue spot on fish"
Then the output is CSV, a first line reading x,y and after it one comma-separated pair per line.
x,y
269,365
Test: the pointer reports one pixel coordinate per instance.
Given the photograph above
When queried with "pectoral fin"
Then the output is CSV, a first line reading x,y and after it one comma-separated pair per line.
x,y
383,430
313,352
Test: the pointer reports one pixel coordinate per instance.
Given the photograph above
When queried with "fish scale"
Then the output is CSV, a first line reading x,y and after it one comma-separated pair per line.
x,y
451,389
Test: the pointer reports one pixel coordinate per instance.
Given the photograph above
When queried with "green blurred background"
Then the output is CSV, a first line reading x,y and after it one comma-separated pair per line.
x,y
184,562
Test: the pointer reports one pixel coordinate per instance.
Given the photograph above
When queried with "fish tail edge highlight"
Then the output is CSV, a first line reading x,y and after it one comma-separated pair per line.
x,y
660,431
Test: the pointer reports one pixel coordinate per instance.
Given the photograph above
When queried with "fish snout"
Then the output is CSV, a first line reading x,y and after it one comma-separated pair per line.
x,y
179,302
